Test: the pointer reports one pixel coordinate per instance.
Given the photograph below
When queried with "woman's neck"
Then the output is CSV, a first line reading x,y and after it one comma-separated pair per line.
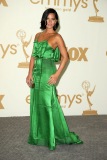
x,y
49,31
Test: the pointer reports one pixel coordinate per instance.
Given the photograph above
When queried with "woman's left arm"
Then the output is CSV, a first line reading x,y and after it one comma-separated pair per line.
x,y
64,59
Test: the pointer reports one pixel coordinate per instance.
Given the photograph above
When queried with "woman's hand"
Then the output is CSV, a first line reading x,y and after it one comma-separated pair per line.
x,y
53,79
29,78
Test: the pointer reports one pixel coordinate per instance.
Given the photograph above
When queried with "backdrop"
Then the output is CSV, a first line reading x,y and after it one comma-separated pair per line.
x,y
82,89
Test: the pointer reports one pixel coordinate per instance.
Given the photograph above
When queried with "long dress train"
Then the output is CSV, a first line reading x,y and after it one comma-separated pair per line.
x,y
48,126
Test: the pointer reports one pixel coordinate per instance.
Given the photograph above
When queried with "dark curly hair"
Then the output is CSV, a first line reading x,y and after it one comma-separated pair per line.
x,y
44,18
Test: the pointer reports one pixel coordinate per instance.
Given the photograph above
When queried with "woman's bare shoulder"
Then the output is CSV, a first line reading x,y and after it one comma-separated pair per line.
x,y
59,38
37,34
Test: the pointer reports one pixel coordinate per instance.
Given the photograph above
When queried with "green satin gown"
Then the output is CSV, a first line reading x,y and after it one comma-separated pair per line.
x,y
48,126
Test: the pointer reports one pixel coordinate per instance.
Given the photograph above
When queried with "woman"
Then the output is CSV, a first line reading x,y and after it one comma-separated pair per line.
x,y
47,123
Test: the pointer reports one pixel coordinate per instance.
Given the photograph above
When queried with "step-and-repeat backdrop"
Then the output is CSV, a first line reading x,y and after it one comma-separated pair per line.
x,y
82,89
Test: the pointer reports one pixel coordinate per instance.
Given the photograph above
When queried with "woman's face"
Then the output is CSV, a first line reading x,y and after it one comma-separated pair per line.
x,y
51,21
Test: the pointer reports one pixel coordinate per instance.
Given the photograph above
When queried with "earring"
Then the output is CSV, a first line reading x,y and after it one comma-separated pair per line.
x,y
45,23
55,26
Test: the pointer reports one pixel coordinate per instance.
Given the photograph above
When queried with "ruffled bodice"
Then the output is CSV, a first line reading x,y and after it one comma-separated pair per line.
x,y
44,50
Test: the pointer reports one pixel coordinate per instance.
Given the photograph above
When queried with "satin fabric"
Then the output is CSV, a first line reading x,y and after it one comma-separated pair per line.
x,y
48,126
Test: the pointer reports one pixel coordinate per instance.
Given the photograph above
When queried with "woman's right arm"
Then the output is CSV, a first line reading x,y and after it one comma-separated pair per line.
x,y
29,78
